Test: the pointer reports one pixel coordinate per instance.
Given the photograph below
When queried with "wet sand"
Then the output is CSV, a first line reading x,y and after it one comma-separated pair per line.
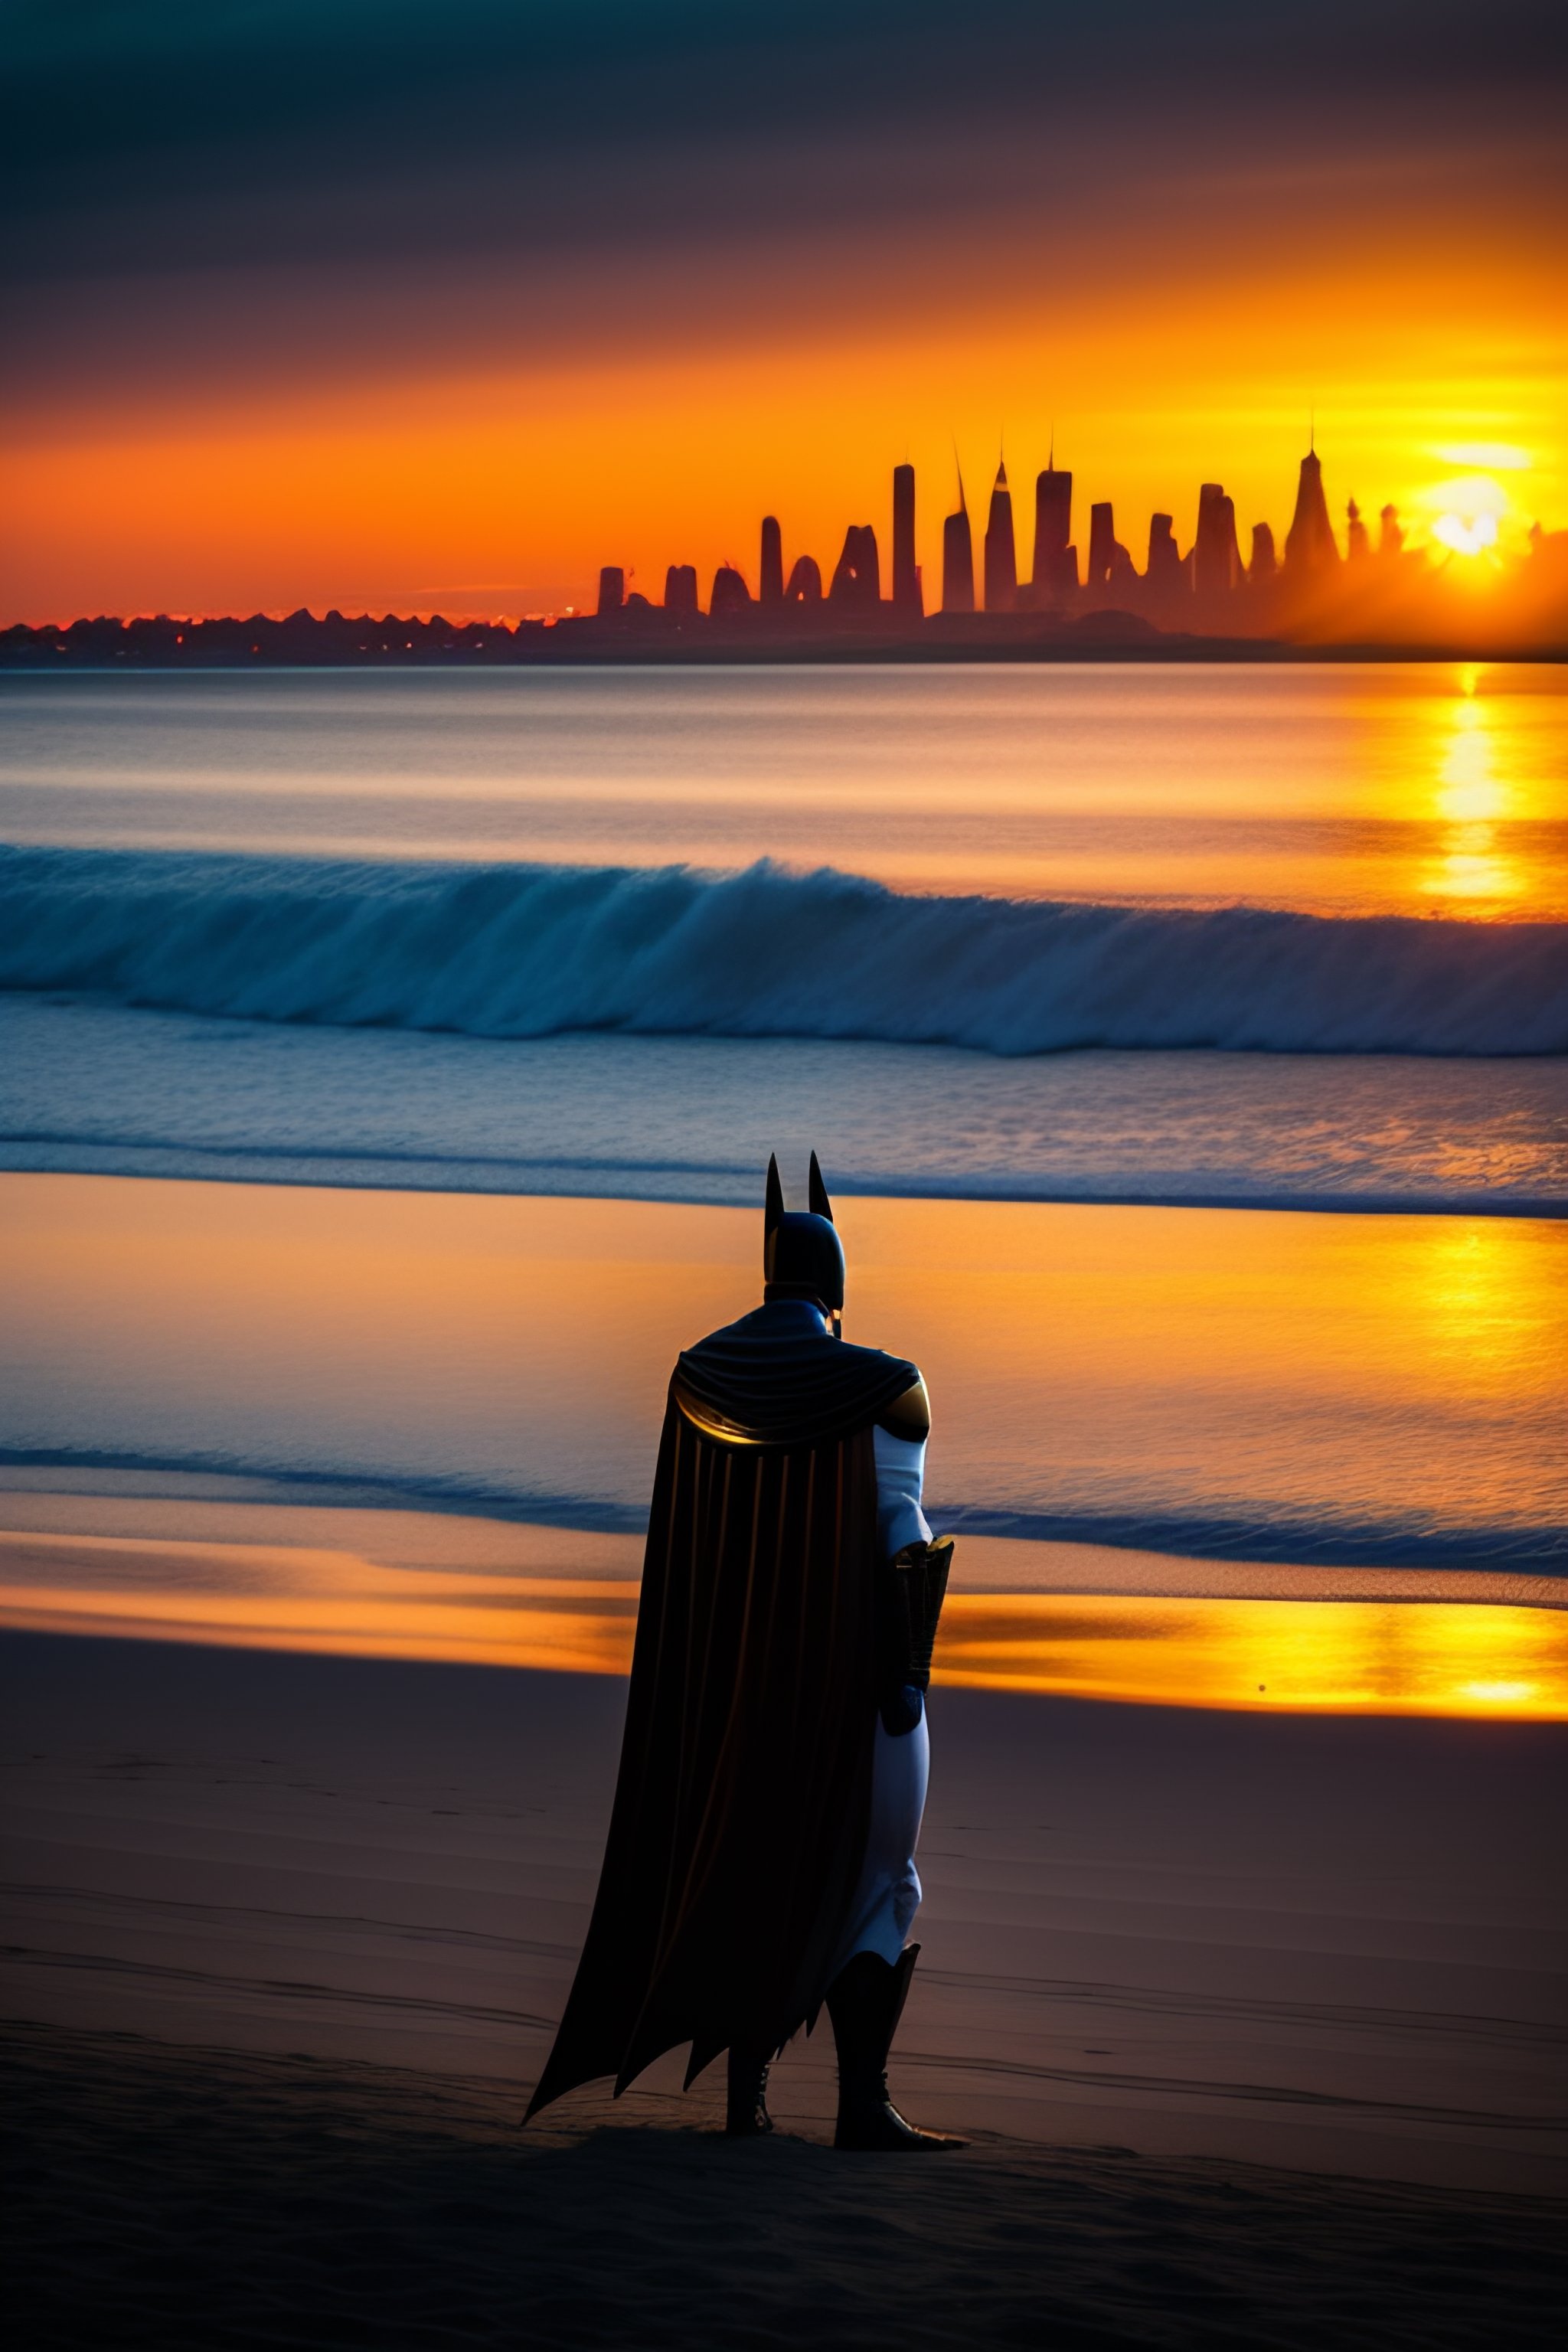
x,y
1077,1621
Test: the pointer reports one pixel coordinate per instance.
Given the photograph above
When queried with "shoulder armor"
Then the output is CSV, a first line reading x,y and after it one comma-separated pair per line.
x,y
909,1415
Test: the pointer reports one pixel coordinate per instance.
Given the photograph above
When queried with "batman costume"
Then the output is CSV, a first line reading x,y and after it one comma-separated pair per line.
x,y
760,1861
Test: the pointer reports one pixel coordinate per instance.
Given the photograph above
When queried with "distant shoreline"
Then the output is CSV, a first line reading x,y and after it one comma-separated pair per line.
x,y
302,642
1217,656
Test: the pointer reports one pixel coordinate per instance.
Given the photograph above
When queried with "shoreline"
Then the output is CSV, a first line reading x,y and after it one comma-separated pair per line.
x,y
1092,1623
824,654
344,1172
311,1346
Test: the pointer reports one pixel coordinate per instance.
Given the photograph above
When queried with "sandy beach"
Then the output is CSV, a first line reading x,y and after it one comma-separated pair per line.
x,y
288,1935
325,1485
207,2197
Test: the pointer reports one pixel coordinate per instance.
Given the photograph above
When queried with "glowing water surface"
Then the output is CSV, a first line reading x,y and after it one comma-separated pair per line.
x,y
1208,1457
1343,788
1348,1390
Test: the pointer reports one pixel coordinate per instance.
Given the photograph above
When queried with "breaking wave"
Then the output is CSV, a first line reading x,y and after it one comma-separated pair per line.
x,y
532,951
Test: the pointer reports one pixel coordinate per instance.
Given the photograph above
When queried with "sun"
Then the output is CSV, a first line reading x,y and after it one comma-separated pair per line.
x,y
1466,535
1468,510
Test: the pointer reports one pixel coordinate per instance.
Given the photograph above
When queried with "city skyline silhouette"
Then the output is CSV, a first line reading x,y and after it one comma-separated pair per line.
x,y
1314,589
1381,595
406,324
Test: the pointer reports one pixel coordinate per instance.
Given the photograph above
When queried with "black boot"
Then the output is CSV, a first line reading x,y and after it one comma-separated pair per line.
x,y
746,2113
865,2002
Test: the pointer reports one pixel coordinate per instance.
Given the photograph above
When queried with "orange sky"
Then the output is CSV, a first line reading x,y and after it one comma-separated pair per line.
x,y
476,428
502,489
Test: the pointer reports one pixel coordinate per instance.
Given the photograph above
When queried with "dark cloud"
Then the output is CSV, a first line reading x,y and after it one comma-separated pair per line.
x,y
275,130
182,178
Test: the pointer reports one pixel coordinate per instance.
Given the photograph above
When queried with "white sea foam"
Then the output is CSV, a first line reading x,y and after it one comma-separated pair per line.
x,y
517,950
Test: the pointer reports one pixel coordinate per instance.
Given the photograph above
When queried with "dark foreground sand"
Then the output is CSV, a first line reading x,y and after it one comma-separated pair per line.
x,y
160,2197
287,1937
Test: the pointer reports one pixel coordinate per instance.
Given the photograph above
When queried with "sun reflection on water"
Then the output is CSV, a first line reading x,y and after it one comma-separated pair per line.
x,y
1472,798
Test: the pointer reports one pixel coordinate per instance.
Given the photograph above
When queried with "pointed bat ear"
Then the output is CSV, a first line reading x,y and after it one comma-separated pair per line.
x,y
820,1205
773,1206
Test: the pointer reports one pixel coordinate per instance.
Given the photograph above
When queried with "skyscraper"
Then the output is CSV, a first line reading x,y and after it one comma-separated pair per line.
x,y
958,559
1310,541
680,591
1265,563
612,588
1055,573
1358,544
804,582
1101,543
1001,556
730,593
771,588
1166,573
1216,556
1109,565
857,580
905,575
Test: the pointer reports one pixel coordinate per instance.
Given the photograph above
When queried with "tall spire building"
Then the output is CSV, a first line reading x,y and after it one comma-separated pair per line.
x,y
958,559
1056,566
1001,554
1310,541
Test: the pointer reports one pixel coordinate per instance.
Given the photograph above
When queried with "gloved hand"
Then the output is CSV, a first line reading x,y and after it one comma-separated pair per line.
x,y
902,1710
911,1591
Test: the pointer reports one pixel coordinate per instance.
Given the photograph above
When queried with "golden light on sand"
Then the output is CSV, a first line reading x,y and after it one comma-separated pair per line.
x,y
1335,1657
1163,1648
299,1597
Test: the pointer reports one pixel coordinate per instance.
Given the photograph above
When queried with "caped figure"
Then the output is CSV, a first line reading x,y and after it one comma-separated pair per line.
x,y
760,1855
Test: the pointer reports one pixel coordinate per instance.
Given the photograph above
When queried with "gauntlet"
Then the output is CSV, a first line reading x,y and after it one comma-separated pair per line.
x,y
911,1588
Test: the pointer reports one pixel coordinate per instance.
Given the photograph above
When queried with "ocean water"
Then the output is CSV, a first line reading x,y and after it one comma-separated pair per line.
x,y
92,1085
1343,1392
1219,947
1425,789
1294,935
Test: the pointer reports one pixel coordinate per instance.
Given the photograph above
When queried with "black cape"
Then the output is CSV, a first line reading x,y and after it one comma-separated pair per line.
x,y
742,1809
